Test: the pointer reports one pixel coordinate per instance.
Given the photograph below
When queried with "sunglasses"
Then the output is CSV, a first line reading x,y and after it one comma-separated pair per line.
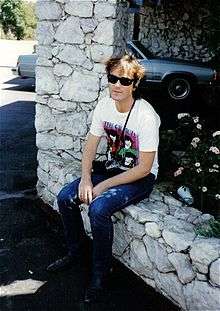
x,y
123,81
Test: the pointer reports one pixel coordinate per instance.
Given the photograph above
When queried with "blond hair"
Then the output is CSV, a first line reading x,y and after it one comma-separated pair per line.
x,y
128,65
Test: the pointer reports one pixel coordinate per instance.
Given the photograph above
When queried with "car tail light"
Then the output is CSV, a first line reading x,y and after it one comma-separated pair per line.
x,y
216,75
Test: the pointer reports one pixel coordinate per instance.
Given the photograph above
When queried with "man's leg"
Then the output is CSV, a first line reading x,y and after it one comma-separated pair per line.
x,y
100,211
68,203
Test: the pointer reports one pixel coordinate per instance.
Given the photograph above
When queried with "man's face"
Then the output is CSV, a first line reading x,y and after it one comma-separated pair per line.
x,y
120,92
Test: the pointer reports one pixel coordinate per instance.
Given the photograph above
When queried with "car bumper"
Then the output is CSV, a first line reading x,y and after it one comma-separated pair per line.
x,y
15,71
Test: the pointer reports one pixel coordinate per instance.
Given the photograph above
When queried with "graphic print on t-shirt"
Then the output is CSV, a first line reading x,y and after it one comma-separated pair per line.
x,y
121,153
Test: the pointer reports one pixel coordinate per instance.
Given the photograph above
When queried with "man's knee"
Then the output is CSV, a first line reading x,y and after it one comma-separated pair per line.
x,y
98,209
66,196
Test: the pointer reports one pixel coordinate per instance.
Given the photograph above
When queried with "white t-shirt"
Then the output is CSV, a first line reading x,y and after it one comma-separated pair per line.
x,y
141,133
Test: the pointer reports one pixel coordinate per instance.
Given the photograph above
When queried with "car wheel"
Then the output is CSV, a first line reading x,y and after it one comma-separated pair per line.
x,y
179,88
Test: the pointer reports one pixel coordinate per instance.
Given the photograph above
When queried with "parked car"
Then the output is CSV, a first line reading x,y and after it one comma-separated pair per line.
x,y
25,66
179,77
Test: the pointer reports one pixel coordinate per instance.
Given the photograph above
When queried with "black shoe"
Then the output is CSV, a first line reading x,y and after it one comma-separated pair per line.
x,y
61,264
96,290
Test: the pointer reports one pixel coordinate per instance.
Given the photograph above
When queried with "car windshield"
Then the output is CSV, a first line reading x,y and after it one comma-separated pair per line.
x,y
143,50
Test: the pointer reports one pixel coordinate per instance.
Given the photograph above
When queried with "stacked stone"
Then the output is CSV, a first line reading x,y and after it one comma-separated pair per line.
x,y
74,40
157,241
178,29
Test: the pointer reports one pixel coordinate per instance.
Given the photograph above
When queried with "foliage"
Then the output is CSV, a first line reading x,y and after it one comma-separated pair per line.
x,y
199,164
209,229
214,26
17,18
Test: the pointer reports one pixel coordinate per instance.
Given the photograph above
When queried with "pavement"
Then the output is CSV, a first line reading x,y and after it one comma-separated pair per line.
x,y
31,238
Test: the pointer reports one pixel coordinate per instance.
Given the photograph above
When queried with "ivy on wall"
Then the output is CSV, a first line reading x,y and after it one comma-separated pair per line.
x,y
214,22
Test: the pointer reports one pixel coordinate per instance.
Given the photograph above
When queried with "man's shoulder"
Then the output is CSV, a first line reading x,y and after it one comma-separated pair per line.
x,y
146,109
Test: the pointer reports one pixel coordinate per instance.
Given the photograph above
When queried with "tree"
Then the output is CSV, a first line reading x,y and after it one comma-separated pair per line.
x,y
12,18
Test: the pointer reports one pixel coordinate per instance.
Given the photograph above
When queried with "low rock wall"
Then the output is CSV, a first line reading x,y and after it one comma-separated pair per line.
x,y
157,241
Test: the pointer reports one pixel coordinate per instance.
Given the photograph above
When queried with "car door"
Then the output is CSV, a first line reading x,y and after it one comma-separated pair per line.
x,y
27,64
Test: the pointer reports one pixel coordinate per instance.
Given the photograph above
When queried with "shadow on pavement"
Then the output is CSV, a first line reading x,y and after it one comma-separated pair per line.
x,y
18,151
21,84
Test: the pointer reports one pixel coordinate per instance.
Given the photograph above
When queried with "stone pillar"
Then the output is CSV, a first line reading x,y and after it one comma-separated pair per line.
x,y
74,39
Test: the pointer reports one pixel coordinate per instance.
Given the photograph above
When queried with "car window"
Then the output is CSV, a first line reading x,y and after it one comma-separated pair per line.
x,y
132,50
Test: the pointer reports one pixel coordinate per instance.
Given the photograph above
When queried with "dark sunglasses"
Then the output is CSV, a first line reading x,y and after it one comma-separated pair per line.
x,y
124,81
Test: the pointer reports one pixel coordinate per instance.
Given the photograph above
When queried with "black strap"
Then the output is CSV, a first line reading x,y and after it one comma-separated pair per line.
x,y
121,138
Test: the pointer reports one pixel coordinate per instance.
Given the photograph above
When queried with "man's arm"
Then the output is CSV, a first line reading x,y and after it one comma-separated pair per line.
x,y
89,152
139,171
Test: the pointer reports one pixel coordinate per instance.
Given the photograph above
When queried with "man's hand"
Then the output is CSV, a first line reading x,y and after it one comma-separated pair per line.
x,y
98,189
85,190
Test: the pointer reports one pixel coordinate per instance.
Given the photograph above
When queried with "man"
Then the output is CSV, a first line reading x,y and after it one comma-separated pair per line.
x,y
108,191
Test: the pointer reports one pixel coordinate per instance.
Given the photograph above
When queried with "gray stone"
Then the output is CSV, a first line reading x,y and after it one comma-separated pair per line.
x,y
203,252
101,53
64,142
171,201
62,70
69,31
158,254
44,120
79,8
177,225
201,296
170,286
183,267
72,124
42,61
201,277
178,241
104,10
214,272
100,32
122,239
88,24
72,55
139,260
44,51
48,10
136,229
45,141
61,105
45,81
45,33
157,207
152,229
80,87
42,175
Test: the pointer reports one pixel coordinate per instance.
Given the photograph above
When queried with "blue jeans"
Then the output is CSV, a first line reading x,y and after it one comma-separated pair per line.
x,y
100,211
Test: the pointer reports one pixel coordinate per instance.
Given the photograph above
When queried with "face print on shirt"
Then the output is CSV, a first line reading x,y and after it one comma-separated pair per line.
x,y
121,154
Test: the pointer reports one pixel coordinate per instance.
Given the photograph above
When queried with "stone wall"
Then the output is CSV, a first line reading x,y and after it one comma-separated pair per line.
x,y
156,240
179,28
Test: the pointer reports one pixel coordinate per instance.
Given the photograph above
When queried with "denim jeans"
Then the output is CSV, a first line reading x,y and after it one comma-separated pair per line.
x,y
100,211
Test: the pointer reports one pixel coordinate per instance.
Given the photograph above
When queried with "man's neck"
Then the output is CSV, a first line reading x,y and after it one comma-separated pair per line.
x,y
124,105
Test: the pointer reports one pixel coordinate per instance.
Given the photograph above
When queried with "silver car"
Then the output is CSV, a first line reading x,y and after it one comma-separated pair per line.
x,y
179,77
26,65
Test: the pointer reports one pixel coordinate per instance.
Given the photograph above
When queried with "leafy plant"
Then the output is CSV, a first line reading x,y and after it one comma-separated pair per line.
x,y
199,165
209,229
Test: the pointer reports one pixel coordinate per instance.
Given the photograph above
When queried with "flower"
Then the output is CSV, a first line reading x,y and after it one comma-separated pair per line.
x,y
196,139
199,170
217,196
197,164
199,126
196,119
182,115
216,133
215,166
204,189
213,170
193,144
179,171
214,149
